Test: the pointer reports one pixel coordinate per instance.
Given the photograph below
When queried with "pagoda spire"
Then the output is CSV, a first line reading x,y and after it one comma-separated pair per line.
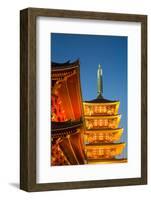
x,y
99,82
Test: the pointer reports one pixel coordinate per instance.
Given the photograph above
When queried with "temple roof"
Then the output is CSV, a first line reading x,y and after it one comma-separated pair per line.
x,y
62,126
62,129
65,65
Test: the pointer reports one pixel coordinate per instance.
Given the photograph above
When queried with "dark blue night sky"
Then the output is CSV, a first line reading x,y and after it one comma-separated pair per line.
x,y
91,50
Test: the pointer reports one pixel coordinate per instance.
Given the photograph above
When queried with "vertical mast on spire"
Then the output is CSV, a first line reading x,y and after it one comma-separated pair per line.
x,y
99,82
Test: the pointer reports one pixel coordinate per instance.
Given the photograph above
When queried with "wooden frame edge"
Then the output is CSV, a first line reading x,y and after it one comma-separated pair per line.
x,y
27,100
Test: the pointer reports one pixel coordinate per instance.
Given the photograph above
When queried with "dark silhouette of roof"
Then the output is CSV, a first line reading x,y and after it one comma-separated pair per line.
x,y
65,65
55,126
104,144
100,99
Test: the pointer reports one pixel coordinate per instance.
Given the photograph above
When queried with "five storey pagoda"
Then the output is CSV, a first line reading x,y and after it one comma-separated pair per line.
x,y
101,128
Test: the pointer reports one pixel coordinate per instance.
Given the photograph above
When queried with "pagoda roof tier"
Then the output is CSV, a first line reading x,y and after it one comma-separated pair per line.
x,y
102,116
99,122
104,150
101,101
106,161
103,130
110,108
105,145
60,129
106,135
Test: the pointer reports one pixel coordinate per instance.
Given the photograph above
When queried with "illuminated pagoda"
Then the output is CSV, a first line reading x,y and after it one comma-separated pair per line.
x,y
101,128
67,142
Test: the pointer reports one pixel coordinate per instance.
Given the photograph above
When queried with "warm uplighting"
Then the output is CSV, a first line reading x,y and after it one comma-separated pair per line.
x,y
67,147
101,132
57,155
106,136
96,123
57,111
101,109
104,151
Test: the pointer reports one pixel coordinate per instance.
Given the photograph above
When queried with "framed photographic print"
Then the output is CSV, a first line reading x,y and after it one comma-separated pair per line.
x,y
83,99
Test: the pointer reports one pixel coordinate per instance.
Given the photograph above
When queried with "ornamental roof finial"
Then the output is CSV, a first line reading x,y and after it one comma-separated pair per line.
x,y
99,82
